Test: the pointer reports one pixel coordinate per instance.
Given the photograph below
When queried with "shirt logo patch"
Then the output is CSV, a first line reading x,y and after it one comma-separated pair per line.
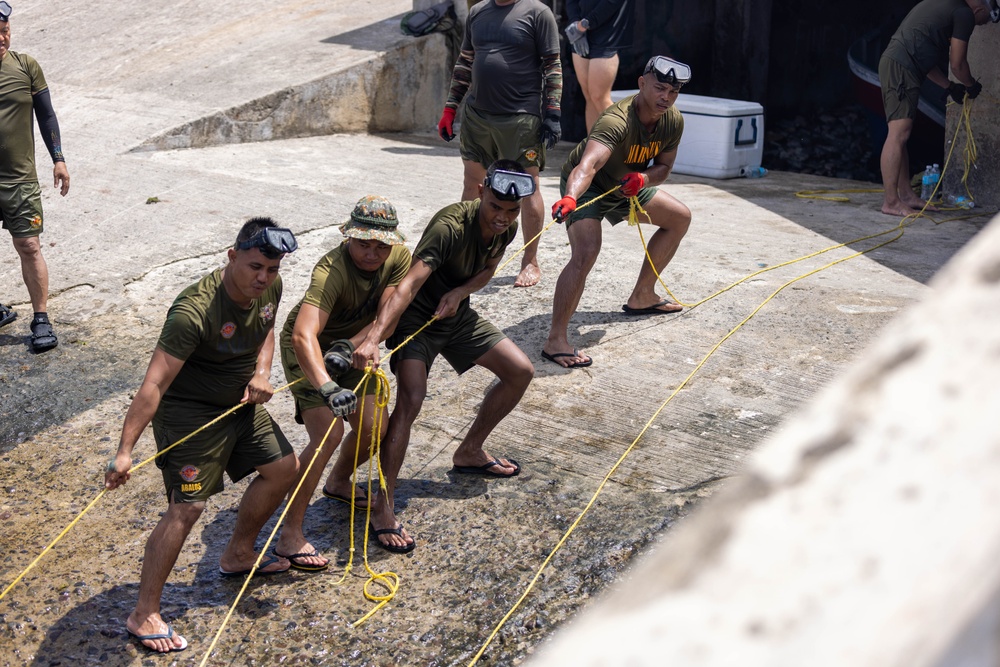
x,y
267,313
531,154
227,330
189,473
190,488
36,222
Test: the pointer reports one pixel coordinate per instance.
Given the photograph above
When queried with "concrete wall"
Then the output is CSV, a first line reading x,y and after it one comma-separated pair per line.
x,y
400,89
864,534
984,180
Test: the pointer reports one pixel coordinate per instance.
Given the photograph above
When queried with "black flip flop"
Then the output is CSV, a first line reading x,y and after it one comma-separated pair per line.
x,y
654,309
392,547
575,353
261,572
305,567
486,470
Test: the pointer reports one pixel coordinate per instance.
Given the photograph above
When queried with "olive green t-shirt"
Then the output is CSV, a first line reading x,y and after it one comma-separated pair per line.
x,y
631,145
347,294
923,39
218,341
452,246
20,79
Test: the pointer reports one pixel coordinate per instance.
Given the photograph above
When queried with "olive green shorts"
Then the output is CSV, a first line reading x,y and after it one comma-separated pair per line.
x,y
306,396
488,137
461,339
614,208
239,443
21,208
900,90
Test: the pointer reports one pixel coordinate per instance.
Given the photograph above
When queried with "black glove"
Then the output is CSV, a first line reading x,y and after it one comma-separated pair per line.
x,y
957,92
338,358
341,401
974,90
551,130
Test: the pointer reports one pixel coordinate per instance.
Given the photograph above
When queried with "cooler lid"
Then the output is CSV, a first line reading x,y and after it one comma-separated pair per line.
x,y
716,106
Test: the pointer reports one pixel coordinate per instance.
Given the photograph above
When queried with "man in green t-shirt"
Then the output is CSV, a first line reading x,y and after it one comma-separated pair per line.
x,y
348,285
214,352
615,155
456,256
934,32
23,90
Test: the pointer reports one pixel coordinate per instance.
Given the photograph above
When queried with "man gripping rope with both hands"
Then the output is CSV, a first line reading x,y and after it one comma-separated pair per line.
x,y
629,134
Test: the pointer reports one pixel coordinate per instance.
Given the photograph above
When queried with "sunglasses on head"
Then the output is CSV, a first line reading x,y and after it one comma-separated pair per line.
x,y
510,184
5,10
272,241
668,70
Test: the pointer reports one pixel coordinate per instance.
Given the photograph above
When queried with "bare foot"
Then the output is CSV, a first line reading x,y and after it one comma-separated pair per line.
x,y
395,538
900,210
341,490
917,204
568,359
300,554
231,564
529,276
484,464
153,625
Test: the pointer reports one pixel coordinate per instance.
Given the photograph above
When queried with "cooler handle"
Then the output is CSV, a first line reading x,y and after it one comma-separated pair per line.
x,y
739,126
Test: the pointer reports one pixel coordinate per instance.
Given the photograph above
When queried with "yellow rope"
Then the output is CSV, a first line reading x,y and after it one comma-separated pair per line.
x,y
103,491
545,229
635,209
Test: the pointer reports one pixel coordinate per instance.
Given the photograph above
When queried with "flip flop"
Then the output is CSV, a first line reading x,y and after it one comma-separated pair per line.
x,y
654,309
7,315
392,547
261,572
305,567
485,469
575,353
345,499
167,635
43,338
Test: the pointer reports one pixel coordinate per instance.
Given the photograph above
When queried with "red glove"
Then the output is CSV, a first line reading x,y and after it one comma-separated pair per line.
x,y
634,182
562,208
445,124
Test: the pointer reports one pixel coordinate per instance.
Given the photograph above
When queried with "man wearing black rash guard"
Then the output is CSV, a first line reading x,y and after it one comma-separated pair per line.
x,y
22,91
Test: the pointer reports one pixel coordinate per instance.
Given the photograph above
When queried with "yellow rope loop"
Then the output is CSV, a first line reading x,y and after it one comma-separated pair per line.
x,y
825,195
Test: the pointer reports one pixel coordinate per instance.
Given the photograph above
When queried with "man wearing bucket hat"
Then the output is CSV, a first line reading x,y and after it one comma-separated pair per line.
x,y
23,90
214,352
348,285
457,255
643,127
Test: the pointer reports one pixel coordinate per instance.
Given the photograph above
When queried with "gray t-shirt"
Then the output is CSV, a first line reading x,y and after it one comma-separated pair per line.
x,y
924,38
508,44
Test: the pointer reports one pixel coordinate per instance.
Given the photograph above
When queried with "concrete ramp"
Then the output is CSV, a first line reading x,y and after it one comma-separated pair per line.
x,y
398,88
201,74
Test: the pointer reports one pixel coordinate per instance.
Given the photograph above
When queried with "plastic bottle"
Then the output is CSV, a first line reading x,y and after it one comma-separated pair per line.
x,y
754,171
961,201
936,176
926,184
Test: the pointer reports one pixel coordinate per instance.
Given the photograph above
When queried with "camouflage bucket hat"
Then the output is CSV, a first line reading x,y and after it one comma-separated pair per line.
x,y
374,219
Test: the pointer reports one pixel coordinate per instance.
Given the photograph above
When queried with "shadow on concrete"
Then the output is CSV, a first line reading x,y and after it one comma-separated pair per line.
x,y
361,38
918,255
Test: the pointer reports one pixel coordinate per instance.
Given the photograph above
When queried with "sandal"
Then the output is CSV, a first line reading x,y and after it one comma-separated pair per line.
x,y
43,338
7,315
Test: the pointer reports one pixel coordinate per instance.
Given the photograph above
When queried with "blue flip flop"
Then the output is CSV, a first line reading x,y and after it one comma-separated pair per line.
x,y
169,634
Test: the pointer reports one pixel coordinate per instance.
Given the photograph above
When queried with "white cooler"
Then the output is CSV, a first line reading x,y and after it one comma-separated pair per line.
x,y
721,137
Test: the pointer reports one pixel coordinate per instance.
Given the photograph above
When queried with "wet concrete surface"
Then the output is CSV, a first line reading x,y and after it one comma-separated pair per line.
x,y
117,262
